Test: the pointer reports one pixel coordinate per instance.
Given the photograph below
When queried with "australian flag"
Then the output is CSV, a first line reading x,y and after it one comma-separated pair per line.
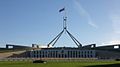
x,y
61,9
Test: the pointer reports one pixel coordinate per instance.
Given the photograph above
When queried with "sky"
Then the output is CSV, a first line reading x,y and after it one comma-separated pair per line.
x,y
27,22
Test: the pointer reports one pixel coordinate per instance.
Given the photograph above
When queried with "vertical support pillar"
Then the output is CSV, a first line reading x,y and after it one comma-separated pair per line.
x,y
7,46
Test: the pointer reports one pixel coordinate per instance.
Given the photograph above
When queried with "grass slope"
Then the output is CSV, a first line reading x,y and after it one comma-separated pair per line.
x,y
55,64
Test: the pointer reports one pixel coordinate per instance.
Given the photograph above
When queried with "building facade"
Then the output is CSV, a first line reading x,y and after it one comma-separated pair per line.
x,y
62,53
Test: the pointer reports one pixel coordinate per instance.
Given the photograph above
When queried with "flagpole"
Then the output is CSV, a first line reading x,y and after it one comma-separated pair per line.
x,y
65,20
53,42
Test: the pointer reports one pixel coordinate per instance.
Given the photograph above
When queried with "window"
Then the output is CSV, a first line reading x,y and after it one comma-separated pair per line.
x,y
91,56
116,47
10,47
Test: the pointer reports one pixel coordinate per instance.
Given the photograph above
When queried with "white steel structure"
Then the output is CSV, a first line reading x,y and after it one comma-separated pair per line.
x,y
63,52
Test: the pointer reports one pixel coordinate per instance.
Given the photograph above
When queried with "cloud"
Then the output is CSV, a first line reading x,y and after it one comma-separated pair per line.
x,y
84,13
113,37
115,18
92,24
112,42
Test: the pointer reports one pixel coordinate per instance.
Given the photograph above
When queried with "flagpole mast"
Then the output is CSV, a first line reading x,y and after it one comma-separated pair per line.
x,y
65,19
53,42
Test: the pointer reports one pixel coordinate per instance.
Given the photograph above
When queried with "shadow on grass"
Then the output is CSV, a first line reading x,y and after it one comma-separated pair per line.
x,y
107,65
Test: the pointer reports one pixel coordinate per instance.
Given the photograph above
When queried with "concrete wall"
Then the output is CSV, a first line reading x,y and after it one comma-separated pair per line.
x,y
105,54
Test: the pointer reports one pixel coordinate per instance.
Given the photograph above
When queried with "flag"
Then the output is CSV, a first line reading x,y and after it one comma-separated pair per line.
x,y
61,9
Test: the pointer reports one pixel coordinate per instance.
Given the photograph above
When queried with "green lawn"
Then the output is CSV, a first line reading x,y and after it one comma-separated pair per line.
x,y
55,64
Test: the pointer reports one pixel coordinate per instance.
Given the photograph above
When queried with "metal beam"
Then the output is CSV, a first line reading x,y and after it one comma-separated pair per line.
x,y
74,39
55,38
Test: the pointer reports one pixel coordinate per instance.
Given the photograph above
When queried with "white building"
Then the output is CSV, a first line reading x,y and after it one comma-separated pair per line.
x,y
63,52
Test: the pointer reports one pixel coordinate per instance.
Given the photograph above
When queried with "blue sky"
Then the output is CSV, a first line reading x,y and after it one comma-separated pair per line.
x,y
38,21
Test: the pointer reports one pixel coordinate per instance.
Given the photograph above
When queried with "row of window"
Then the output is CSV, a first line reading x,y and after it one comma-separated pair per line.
x,y
63,54
47,52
